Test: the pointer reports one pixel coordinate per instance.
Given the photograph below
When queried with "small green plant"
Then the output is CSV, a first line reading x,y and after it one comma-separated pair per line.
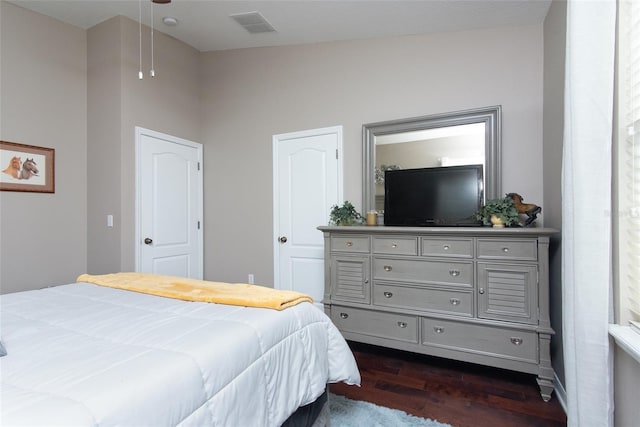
x,y
504,209
345,215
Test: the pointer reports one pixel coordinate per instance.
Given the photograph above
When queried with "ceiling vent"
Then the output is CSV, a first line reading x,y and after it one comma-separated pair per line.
x,y
253,22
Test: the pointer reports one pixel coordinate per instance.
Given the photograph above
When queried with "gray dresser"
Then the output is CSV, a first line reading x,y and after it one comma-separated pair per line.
x,y
478,295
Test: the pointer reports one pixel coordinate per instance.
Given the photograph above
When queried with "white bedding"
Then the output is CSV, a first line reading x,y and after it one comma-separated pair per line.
x,y
86,355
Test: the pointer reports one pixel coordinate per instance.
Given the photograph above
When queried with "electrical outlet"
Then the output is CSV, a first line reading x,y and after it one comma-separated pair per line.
x,y
250,279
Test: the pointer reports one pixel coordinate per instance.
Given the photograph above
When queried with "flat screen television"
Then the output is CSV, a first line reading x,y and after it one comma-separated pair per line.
x,y
441,196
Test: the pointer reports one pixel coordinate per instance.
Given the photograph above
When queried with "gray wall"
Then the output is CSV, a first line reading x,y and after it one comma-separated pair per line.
x,y
234,101
251,94
78,92
118,102
626,371
43,237
555,27
103,146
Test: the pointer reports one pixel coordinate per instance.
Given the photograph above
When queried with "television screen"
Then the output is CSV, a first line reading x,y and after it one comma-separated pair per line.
x,y
442,196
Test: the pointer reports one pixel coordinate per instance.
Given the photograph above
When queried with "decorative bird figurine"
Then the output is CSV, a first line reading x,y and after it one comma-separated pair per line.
x,y
528,209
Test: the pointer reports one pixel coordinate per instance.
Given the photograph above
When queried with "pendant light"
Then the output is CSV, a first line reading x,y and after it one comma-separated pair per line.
x,y
152,71
140,75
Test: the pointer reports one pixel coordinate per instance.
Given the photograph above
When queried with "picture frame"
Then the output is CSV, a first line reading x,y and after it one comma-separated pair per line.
x,y
26,168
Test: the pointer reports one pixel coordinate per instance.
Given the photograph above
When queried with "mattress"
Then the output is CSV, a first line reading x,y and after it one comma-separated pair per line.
x,y
87,355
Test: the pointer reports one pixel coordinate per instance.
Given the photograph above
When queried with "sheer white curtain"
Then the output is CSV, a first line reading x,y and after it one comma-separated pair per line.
x,y
586,223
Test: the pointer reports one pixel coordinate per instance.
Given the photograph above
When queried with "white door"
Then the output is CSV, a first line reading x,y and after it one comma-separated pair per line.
x,y
169,226
307,182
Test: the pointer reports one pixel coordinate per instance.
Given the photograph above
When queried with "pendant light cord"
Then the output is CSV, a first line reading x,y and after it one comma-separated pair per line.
x,y
140,75
152,72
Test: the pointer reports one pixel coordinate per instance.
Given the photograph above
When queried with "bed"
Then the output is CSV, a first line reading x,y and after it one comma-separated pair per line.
x,y
88,355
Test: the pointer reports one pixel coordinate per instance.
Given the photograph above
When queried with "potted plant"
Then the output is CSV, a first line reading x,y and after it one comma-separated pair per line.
x,y
345,215
499,213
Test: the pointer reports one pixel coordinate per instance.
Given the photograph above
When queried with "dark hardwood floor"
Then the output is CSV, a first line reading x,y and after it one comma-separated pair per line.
x,y
457,393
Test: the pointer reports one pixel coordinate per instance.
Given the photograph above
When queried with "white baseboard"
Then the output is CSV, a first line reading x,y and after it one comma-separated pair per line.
x,y
560,392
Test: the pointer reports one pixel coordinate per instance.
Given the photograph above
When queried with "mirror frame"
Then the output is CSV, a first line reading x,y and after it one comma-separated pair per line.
x,y
490,116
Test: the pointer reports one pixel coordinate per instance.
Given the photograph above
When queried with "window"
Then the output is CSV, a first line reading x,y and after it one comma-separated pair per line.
x,y
628,162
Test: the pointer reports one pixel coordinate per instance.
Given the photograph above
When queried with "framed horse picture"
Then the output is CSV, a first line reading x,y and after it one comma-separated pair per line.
x,y
26,168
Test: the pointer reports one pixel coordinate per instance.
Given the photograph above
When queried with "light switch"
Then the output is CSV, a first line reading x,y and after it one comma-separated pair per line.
x,y
110,221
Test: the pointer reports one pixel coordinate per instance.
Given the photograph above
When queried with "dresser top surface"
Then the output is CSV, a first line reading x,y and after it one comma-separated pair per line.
x,y
449,231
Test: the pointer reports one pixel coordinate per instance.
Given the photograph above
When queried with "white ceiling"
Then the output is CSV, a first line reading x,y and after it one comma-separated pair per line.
x,y
205,24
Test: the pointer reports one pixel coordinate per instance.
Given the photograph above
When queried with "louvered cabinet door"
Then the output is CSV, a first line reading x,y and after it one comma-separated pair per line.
x,y
508,292
350,279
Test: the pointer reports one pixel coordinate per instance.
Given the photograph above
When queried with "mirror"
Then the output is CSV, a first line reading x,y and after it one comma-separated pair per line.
x,y
449,139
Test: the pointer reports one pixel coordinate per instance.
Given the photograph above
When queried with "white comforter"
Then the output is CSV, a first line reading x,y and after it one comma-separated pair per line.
x,y
86,355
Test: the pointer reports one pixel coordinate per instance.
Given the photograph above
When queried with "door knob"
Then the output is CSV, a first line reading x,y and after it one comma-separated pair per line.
x,y
148,241
282,239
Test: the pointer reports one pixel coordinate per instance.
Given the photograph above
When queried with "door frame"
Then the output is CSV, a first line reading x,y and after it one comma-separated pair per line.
x,y
277,139
140,132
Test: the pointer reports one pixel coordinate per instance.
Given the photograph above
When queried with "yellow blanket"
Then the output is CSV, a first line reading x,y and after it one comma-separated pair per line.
x,y
199,290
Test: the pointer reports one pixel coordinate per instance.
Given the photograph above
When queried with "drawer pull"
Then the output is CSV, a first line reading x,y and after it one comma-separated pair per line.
x,y
445,247
387,268
388,294
516,341
366,281
402,324
454,273
454,301
505,250
394,245
438,330
349,244
481,291
343,315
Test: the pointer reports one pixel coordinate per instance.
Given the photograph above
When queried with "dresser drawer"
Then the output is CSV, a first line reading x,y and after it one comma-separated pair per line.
x,y
450,247
349,243
512,249
457,273
395,245
425,299
393,326
486,340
